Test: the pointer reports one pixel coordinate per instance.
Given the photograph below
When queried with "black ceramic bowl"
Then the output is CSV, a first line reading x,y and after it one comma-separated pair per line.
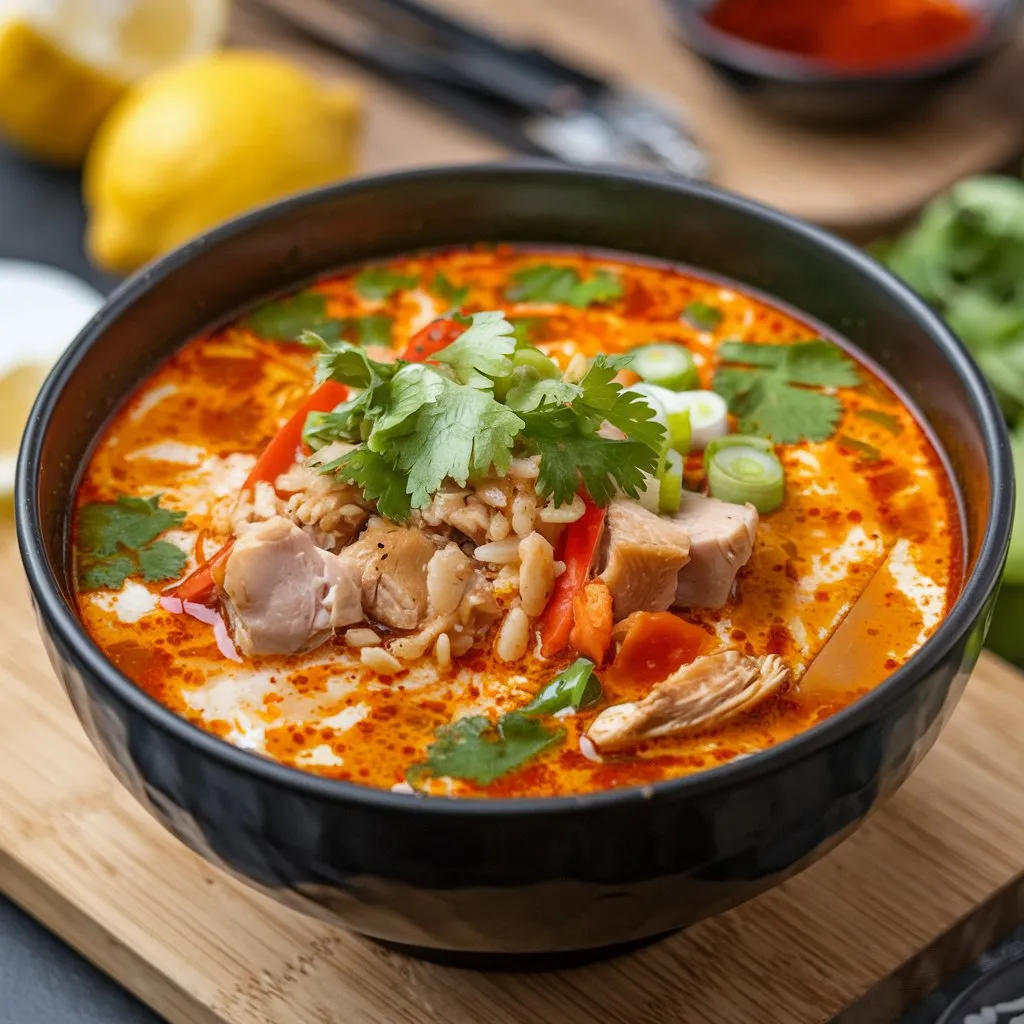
x,y
796,88
473,878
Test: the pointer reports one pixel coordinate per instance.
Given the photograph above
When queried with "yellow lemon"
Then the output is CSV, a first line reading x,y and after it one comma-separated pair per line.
x,y
64,63
203,141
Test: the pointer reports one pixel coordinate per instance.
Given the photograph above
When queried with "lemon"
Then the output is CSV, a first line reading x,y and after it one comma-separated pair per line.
x,y
202,141
42,309
64,63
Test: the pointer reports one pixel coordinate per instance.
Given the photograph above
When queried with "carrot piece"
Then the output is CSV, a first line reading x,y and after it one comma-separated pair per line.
x,y
435,336
655,645
627,378
580,546
591,633
201,584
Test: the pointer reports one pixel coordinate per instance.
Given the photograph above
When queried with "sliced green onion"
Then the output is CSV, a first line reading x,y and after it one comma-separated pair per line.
x,y
677,427
670,483
536,360
709,416
667,365
742,468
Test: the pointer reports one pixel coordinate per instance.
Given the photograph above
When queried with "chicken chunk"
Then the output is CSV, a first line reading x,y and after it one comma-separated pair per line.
x,y
697,696
394,580
275,590
721,541
644,555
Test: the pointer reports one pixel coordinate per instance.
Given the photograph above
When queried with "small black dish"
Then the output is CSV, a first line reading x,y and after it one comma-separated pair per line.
x,y
800,89
497,882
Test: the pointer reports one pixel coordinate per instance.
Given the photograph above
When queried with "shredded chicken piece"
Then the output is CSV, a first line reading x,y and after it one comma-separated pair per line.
x,y
697,696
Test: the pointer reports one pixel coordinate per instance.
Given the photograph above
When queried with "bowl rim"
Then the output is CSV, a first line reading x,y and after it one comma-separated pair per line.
x,y
780,66
59,616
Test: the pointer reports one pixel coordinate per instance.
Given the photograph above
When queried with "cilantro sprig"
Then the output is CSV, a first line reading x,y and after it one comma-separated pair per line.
x,y
117,540
289,319
416,425
545,282
378,283
768,388
477,749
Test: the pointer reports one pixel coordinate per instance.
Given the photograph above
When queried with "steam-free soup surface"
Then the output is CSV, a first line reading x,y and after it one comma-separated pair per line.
x,y
866,499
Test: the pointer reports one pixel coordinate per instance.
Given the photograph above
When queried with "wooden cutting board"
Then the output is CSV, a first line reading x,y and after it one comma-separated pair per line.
x,y
860,183
931,881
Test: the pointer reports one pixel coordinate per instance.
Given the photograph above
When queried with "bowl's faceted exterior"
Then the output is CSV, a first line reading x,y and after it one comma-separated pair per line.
x,y
530,876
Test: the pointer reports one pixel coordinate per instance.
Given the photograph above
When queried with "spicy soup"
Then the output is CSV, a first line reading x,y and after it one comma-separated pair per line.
x,y
504,522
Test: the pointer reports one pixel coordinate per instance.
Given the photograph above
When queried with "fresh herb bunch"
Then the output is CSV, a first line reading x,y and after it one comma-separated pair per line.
x,y
468,412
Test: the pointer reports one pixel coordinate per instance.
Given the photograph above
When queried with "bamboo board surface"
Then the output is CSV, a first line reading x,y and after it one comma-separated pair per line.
x,y
921,890
857,182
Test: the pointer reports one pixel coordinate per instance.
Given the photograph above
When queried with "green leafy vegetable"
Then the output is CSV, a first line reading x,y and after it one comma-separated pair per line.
x,y
547,283
286,319
117,540
444,289
367,330
763,394
702,316
473,748
574,687
380,283
479,401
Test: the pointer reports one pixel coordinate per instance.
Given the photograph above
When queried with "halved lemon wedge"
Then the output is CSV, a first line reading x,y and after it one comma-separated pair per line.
x,y
42,309
63,63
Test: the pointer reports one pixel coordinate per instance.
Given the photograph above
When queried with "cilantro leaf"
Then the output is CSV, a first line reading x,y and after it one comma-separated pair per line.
x,y
481,352
818,363
763,394
530,390
132,522
566,457
347,364
286,319
161,561
463,432
376,283
367,330
766,405
117,540
414,386
702,316
605,399
547,283
378,480
473,748
444,289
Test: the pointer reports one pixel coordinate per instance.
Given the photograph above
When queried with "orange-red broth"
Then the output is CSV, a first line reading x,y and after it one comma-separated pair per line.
x,y
191,432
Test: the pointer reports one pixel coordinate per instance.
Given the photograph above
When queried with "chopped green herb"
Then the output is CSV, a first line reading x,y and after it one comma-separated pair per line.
x,y
479,401
286,319
547,283
574,687
444,289
367,330
474,748
376,283
883,419
117,540
702,316
867,451
763,394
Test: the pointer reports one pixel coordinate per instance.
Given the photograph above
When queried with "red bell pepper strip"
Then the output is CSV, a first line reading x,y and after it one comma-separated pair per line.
x,y
279,454
435,336
581,541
